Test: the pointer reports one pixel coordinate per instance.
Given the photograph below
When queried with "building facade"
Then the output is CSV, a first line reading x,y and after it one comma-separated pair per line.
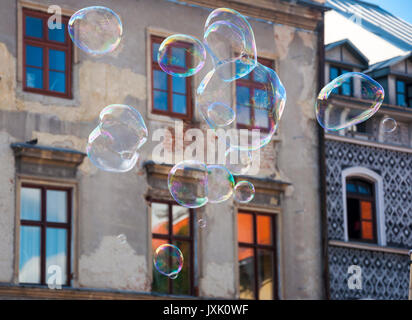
x,y
368,168
57,209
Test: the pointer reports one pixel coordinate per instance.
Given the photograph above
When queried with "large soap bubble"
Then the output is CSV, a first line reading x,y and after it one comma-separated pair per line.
x,y
95,30
168,260
187,182
113,144
333,113
229,39
181,55
220,183
257,108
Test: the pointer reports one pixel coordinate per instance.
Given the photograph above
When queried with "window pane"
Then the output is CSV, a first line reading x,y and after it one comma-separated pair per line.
x,y
160,100
243,115
34,56
245,228
260,77
56,252
181,221
366,210
34,78
179,103
181,285
57,81
353,218
160,218
400,99
364,188
347,89
29,266
56,206
265,275
34,27
261,118
239,69
351,187
159,80
242,95
367,230
400,86
30,204
155,47
57,60
333,73
179,85
160,282
178,57
264,230
57,34
246,273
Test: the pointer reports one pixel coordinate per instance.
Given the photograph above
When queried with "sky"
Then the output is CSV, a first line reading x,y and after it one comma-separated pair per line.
x,y
399,8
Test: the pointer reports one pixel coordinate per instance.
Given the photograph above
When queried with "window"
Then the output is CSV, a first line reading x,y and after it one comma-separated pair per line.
x,y
346,88
257,256
360,204
403,93
171,96
45,233
47,56
248,90
173,224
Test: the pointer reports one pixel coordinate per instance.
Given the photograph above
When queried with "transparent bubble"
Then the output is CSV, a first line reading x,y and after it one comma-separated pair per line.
x,y
168,260
244,191
122,238
220,183
95,30
181,55
187,182
113,144
202,223
389,125
258,110
229,39
173,276
220,114
238,162
333,114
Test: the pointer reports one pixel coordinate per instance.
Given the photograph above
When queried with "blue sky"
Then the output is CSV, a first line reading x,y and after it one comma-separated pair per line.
x,y
399,8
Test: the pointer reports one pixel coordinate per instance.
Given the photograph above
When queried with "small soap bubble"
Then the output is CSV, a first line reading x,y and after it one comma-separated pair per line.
x,y
96,30
168,260
122,238
335,116
187,183
113,144
220,183
238,162
202,223
389,125
181,55
244,192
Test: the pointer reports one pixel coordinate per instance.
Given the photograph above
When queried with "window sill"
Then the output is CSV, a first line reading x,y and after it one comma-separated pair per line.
x,y
367,246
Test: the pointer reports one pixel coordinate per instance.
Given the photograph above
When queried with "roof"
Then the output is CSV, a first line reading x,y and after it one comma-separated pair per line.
x,y
351,47
376,20
388,62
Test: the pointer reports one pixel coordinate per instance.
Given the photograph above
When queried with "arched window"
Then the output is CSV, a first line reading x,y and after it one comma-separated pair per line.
x,y
361,210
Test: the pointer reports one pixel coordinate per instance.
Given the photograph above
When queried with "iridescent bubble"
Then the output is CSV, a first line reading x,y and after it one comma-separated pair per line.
x,y
238,162
113,144
187,182
173,276
258,110
181,55
229,39
220,114
244,192
333,114
389,125
168,260
95,30
202,223
122,238
220,183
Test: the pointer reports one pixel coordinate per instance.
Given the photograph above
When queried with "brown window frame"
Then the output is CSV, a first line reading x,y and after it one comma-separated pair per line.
x,y
170,237
47,44
252,85
359,197
155,66
44,224
255,246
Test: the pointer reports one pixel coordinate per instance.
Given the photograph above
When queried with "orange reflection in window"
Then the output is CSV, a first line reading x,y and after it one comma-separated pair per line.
x,y
264,230
245,227
367,230
157,242
181,221
366,210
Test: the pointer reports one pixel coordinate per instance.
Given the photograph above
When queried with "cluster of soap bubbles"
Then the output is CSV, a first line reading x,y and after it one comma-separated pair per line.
x,y
168,260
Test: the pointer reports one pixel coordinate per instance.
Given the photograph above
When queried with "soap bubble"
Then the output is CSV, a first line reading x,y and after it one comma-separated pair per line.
x,y
220,183
187,182
181,55
229,39
95,30
389,125
113,144
173,276
122,238
333,114
244,192
258,109
238,162
168,260
220,114
202,223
